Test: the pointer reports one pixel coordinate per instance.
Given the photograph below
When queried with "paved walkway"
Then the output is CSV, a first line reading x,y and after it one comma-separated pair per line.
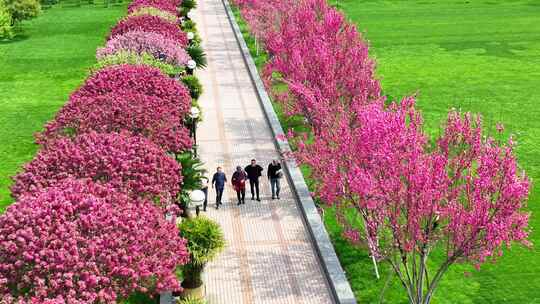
x,y
270,257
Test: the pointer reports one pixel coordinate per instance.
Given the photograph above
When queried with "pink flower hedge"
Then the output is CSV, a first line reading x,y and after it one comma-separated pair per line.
x,y
153,24
146,42
130,164
141,79
79,242
148,116
164,5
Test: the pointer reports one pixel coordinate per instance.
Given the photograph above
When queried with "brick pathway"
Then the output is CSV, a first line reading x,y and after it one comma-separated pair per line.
x,y
269,257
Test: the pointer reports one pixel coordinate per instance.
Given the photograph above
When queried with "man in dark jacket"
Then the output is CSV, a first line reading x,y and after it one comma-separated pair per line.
x,y
254,171
274,174
219,181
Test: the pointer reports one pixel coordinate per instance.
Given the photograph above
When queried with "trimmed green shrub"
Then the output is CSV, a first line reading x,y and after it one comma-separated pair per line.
x,y
205,241
152,11
194,85
191,300
6,28
197,53
124,57
22,9
189,26
188,5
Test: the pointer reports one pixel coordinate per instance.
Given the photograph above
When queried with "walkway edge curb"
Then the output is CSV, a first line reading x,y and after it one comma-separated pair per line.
x,y
338,282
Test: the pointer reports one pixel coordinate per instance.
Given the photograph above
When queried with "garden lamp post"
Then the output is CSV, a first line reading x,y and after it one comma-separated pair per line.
x,y
194,114
191,65
196,198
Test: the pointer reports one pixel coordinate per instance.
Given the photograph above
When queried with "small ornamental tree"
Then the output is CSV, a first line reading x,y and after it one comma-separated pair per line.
x,y
6,25
163,5
139,114
139,79
21,9
80,242
153,24
130,164
160,47
465,198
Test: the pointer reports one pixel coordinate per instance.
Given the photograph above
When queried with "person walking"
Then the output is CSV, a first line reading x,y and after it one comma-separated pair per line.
x,y
254,171
219,181
204,189
238,181
274,174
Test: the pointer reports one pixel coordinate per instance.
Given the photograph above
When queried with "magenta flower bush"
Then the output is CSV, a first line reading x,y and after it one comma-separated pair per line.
x,y
140,79
80,242
139,114
139,42
164,5
153,24
130,164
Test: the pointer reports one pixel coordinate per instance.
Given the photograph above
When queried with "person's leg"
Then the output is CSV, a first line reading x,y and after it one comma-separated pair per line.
x,y
251,187
219,195
238,197
205,199
273,187
257,189
243,195
278,187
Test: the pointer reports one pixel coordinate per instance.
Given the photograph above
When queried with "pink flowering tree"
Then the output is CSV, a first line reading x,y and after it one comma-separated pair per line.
x,y
80,242
140,79
130,164
152,24
464,199
164,5
162,48
144,115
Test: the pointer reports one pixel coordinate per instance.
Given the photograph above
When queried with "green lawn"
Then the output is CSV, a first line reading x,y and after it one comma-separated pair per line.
x,y
38,72
480,56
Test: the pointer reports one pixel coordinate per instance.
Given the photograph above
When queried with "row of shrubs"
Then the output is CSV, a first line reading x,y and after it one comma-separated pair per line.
x,y
88,224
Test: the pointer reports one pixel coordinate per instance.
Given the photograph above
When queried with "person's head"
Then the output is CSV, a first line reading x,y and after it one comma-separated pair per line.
x,y
274,161
253,162
238,169
218,169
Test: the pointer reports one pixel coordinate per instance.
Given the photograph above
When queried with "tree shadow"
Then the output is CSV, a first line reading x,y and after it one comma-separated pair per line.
x,y
17,38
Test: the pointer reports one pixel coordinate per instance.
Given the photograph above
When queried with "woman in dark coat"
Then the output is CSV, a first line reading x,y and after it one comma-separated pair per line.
x,y
239,183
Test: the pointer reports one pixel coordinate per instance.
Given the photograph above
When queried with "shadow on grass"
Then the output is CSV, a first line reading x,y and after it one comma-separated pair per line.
x,y
17,38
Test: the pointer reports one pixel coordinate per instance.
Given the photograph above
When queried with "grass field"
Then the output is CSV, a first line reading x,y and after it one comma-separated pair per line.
x,y
480,56
38,71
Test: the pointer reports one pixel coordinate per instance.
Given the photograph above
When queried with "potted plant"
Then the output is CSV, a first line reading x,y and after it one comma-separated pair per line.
x,y
205,241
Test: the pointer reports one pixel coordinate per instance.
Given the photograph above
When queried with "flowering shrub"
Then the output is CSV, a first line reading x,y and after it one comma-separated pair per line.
x,y
153,11
151,24
131,164
80,242
125,57
139,114
163,5
139,42
141,79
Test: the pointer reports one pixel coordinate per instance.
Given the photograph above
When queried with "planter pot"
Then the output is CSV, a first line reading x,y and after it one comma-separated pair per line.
x,y
198,292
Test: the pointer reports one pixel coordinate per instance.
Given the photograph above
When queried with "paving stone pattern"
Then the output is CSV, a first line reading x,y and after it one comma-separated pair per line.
x,y
269,257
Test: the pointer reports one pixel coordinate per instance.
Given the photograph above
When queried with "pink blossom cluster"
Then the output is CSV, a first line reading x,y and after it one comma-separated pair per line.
x,y
164,5
80,242
152,24
141,79
464,195
140,42
145,115
130,164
